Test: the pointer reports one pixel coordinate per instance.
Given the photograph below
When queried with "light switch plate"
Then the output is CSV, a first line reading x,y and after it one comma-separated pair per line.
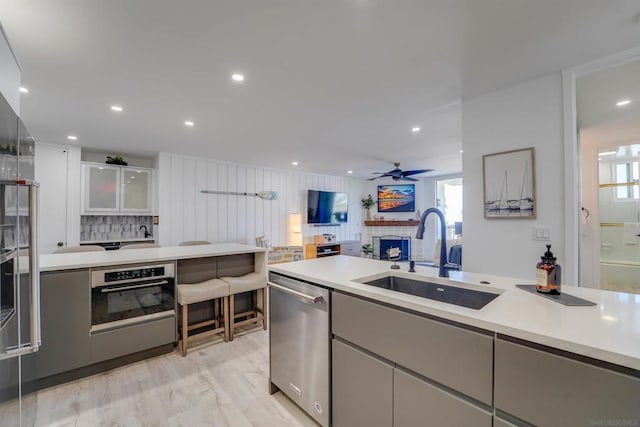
x,y
542,233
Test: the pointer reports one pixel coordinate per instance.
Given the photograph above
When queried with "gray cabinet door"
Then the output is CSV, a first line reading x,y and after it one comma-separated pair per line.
x,y
417,403
362,390
351,248
548,389
458,358
66,321
499,422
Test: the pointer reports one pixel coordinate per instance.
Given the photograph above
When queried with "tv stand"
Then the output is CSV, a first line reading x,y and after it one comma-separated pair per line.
x,y
320,250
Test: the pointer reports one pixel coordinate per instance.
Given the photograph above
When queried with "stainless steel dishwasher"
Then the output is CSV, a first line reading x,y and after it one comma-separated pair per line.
x,y
299,344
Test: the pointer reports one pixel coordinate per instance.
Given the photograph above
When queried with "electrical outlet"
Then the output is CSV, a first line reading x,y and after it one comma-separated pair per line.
x,y
542,233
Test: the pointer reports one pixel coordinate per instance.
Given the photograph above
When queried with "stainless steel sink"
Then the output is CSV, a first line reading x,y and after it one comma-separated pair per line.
x,y
470,298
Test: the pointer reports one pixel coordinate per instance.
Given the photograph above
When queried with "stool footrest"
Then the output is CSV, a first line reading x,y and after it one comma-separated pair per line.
x,y
205,334
249,320
201,324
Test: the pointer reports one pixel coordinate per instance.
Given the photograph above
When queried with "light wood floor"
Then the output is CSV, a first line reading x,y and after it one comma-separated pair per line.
x,y
221,384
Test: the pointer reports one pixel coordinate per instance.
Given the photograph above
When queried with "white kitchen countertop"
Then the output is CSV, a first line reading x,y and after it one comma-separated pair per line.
x,y
609,331
131,239
70,261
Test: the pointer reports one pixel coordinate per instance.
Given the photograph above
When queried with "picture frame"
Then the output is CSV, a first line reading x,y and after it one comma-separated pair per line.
x,y
397,198
509,184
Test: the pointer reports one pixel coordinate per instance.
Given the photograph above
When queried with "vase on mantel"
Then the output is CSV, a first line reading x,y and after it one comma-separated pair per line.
x,y
367,215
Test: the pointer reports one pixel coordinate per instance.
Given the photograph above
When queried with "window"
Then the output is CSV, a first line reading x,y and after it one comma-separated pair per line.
x,y
449,201
627,173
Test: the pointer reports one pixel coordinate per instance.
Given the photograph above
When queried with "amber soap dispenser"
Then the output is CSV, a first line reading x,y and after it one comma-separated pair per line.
x,y
548,274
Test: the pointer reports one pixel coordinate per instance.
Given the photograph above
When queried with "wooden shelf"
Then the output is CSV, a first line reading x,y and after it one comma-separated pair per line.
x,y
392,223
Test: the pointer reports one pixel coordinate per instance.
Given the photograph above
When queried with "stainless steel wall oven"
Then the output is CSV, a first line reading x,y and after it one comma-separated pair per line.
x,y
128,295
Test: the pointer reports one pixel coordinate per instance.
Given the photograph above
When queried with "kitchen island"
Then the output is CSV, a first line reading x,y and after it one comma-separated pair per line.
x,y
104,309
70,261
399,359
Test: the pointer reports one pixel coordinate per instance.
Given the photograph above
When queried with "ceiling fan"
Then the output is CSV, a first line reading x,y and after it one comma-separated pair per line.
x,y
398,174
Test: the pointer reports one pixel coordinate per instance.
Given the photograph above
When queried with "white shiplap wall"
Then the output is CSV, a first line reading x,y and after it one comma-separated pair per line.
x,y
187,214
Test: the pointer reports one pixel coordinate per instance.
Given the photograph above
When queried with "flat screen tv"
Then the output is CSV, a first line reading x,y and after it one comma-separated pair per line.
x,y
397,198
326,207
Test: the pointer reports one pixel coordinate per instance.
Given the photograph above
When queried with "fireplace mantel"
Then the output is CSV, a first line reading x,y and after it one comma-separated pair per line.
x,y
392,223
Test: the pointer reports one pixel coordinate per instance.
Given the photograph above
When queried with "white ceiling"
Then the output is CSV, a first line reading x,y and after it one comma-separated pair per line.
x,y
600,121
333,84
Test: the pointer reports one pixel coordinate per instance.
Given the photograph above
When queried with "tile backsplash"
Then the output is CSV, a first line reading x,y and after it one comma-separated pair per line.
x,y
113,227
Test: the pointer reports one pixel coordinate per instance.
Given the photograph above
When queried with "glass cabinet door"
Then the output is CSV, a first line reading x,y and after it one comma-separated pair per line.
x,y
136,194
102,188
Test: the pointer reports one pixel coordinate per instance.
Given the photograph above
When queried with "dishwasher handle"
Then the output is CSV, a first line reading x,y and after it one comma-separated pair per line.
x,y
313,299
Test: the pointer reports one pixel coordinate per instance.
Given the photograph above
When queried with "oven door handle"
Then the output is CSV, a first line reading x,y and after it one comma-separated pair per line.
x,y
126,288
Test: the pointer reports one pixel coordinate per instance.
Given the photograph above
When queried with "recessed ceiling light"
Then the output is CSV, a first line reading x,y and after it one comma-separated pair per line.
x,y
461,151
24,89
72,137
116,108
189,123
623,102
294,163
349,172
237,77
607,153
415,129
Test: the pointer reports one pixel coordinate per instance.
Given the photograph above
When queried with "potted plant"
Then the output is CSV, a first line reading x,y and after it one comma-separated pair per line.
x,y
367,202
115,160
367,250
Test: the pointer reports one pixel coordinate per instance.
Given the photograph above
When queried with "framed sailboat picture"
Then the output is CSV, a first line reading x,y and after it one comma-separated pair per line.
x,y
509,184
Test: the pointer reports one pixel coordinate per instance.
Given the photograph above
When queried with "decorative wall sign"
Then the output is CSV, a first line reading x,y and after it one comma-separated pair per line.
x,y
509,184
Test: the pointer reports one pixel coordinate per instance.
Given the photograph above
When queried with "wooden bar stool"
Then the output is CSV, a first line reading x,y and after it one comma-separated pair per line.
x,y
251,282
209,290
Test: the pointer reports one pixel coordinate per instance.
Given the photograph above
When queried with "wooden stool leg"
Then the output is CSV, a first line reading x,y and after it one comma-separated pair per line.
x,y
264,308
216,312
185,329
225,314
254,303
231,316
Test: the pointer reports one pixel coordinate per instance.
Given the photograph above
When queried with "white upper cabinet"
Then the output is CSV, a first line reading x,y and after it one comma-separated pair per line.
x,y
10,74
136,190
111,189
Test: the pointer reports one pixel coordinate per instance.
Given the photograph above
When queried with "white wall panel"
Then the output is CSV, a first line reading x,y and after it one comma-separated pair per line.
x,y
187,214
528,114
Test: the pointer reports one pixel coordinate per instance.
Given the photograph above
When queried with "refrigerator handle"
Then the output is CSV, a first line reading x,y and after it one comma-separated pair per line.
x,y
34,266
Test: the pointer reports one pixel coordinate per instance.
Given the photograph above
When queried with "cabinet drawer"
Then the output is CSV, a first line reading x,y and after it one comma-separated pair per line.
x,y
453,356
131,339
548,389
362,389
417,403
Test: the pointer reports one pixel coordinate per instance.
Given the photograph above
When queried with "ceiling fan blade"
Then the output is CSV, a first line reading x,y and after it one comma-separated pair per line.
x,y
376,177
395,172
406,178
416,171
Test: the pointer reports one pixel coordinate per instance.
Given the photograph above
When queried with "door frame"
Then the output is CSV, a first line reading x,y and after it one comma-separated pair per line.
x,y
572,213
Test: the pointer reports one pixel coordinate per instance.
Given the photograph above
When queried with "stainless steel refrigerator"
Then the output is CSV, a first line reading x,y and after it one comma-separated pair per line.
x,y
19,272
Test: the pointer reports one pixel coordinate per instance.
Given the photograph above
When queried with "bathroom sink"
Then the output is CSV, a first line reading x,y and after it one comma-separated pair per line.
x,y
463,297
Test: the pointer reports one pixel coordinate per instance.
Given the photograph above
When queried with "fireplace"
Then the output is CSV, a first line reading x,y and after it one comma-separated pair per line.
x,y
382,243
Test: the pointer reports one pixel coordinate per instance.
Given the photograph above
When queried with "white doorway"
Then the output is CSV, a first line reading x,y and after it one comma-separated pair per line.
x,y
608,123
